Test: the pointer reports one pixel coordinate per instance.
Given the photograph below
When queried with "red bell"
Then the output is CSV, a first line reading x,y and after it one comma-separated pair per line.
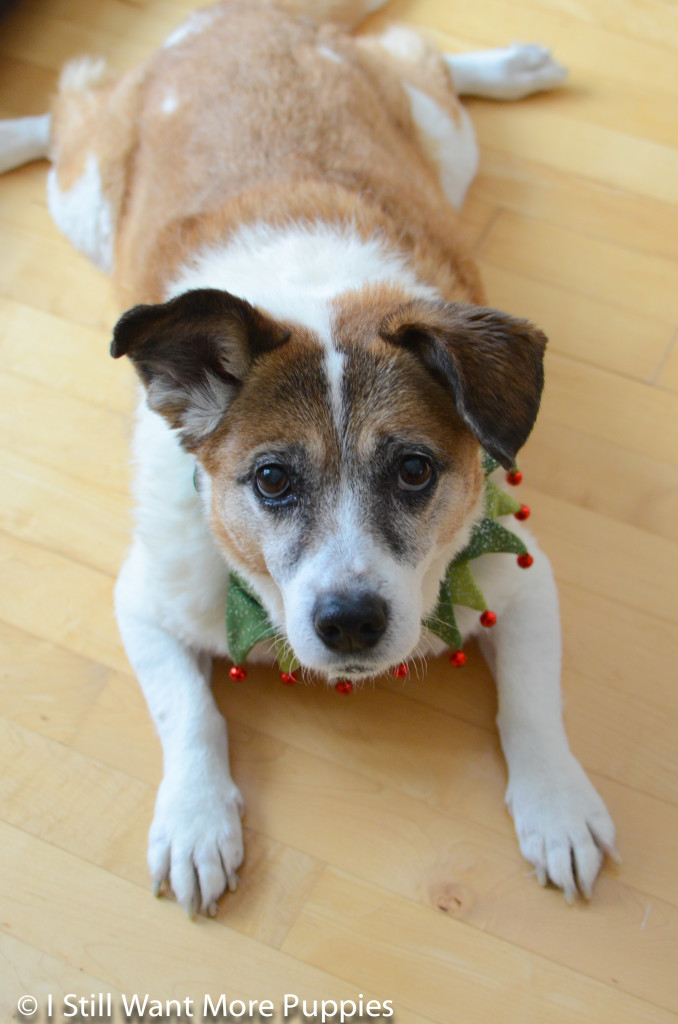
x,y
401,671
514,478
525,561
488,619
523,513
457,659
288,678
237,673
344,686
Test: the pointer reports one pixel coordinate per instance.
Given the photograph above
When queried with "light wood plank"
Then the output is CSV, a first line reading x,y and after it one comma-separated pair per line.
x,y
397,790
576,203
639,419
62,601
571,464
68,516
448,960
74,437
584,265
580,327
45,272
27,970
45,687
114,811
668,374
74,358
126,958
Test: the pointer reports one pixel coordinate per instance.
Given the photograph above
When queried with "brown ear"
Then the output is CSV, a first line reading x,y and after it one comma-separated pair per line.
x,y
491,361
192,353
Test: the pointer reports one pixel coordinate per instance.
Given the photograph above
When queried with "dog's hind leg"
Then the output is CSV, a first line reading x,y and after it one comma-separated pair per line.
x,y
507,73
444,128
22,140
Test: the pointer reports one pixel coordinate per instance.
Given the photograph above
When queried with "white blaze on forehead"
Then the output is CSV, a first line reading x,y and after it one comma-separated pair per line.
x,y
334,370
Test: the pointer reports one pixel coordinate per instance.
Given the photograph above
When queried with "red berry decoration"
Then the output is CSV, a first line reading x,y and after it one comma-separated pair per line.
x,y
401,671
525,561
237,673
457,659
515,477
344,686
523,513
288,678
488,619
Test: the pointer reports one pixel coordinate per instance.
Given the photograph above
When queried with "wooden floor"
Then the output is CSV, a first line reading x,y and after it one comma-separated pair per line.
x,y
380,858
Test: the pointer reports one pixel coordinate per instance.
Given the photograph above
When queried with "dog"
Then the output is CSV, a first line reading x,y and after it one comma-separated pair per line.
x,y
325,398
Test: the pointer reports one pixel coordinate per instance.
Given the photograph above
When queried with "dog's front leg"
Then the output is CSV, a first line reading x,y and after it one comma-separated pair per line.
x,y
563,826
195,839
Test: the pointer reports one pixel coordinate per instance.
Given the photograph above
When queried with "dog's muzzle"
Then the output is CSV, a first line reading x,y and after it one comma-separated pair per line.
x,y
350,622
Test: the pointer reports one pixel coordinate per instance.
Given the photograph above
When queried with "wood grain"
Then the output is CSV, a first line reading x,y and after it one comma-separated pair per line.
x,y
380,857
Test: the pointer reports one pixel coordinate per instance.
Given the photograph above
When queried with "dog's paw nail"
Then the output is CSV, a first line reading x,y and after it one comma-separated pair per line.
x,y
212,910
232,882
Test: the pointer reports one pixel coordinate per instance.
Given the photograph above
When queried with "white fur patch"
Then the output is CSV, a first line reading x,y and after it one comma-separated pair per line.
x,y
170,103
325,51
403,43
193,26
81,73
452,148
84,214
293,272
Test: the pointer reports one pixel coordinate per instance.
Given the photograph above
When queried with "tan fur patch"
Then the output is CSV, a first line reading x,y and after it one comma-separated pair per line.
x,y
339,146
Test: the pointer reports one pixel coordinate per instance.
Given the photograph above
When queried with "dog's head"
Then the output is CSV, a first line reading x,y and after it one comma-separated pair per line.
x,y
340,472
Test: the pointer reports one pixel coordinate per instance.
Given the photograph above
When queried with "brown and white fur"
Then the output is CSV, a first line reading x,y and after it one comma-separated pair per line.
x,y
275,199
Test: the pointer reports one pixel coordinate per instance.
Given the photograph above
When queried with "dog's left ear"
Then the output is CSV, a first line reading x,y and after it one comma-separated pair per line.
x,y
192,354
493,363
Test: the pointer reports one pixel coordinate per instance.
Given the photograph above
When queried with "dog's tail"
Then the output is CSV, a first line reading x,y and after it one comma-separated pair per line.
x,y
348,13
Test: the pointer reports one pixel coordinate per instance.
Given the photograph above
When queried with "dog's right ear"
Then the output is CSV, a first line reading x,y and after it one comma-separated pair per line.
x,y
192,354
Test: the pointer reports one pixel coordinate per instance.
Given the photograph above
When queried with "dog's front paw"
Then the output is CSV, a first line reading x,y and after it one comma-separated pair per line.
x,y
563,826
195,840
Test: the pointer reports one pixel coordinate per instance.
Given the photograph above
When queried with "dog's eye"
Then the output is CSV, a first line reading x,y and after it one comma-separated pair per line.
x,y
273,482
414,473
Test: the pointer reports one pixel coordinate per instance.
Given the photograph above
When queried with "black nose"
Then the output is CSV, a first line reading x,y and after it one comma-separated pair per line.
x,y
350,622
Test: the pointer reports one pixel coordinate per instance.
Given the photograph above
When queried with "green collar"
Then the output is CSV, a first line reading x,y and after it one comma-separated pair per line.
x,y
247,622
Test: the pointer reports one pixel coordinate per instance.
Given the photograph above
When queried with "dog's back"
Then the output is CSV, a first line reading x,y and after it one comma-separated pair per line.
x,y
247,113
